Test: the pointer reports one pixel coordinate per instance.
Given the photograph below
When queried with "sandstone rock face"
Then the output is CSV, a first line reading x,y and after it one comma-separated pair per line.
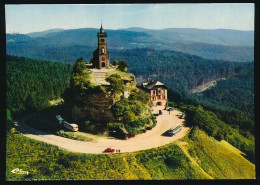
x,y
95,107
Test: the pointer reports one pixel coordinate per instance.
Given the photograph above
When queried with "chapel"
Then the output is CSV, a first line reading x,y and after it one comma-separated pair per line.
x,y
101,55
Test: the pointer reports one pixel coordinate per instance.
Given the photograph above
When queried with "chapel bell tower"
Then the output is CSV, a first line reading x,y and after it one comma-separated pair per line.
x,y
101,56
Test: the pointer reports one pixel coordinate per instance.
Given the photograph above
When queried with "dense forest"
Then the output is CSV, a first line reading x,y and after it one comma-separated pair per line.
x,y
31,84
179,71
232,99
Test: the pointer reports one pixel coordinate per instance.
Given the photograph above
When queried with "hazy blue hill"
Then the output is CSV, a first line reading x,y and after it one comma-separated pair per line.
x,y
211,36
43,33
88,37
214,51
18,38
210,44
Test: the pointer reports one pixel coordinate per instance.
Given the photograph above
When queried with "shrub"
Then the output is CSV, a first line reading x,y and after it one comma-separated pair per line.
x,y
71,135
193,132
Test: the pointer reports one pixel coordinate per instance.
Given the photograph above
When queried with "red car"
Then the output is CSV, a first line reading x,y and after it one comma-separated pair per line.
x,y
109,150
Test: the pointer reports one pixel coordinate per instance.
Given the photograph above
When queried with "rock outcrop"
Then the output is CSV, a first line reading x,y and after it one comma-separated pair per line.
x,y
97,106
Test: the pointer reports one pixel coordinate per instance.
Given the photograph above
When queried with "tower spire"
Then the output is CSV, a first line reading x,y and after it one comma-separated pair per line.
x,y
101,28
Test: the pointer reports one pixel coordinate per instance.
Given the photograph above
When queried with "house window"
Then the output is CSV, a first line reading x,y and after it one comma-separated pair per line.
x,y
154,92
102,40
159,91
163,97
154,98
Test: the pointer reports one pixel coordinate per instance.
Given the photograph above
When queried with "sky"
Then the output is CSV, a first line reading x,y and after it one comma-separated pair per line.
x,y
34,18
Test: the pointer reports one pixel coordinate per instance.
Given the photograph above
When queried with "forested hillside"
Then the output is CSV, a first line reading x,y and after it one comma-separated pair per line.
x,y
232,99
31,84
179,71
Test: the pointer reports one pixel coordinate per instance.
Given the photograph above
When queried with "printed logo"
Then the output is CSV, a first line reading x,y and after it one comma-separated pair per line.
x,y
19,171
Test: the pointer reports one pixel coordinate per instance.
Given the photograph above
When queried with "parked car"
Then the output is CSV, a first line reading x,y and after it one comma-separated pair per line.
x,y
182,116
130,135
108,150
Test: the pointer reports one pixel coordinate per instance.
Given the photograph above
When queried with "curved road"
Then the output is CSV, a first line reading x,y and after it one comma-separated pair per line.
x,y
151,139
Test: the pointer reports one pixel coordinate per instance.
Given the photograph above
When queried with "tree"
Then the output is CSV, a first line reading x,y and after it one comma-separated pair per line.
x,y
116,84
140,95
79,66
79,80
122,66
115,63
8,115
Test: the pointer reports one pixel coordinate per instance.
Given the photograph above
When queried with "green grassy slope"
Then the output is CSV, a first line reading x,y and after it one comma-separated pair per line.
x,y
219,159
44,161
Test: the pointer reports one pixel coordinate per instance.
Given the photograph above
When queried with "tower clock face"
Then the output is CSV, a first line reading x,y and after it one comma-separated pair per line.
x,y
103,58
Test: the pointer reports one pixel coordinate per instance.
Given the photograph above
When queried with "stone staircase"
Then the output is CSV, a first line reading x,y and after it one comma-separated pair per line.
x,y
99,76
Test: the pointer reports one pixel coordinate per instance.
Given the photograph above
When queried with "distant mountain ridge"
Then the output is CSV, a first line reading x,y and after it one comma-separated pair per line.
x,y
211,36
44,33
232,45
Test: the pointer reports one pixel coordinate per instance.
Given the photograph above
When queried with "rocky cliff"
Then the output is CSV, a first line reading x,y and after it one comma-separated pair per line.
x,y
96,105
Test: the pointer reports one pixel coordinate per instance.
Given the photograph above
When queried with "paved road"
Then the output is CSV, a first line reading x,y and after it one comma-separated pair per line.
x,y
151,139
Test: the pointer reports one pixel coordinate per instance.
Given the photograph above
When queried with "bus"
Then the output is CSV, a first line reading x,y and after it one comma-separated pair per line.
x,y
71,126
174,130
59,118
